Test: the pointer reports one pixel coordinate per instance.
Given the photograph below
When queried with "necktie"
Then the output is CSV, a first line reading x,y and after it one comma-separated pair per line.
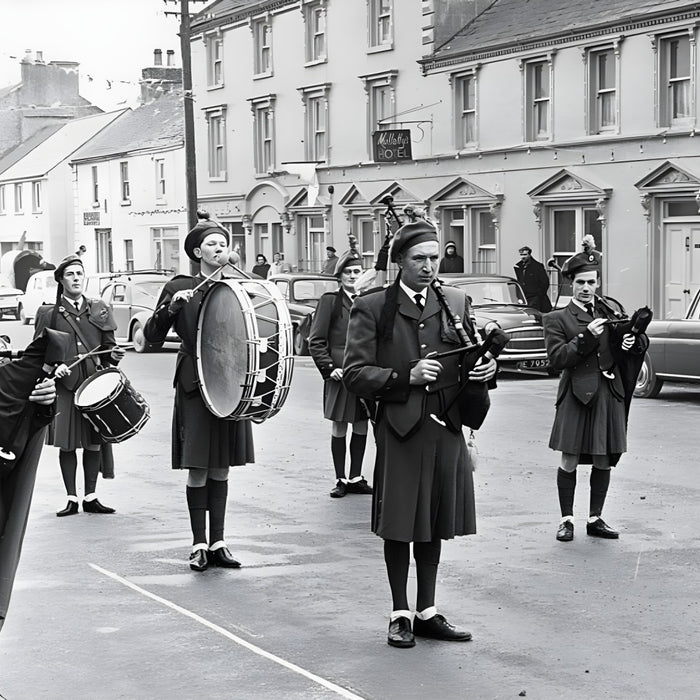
x,y
589,308
353,297
419,301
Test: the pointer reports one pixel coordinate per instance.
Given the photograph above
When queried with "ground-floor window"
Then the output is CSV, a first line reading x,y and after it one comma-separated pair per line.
x,y
473,231
313,236
103,244
166,248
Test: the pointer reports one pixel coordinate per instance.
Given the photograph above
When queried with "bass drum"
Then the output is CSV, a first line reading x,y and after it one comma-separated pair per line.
x,y
245,354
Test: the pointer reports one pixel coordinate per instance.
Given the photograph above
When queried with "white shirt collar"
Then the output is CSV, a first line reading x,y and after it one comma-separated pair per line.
x,y
412,293
72,302
580,305
350,295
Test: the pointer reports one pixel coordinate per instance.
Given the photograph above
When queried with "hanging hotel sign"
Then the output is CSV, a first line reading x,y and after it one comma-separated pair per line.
x,y
91,218
391,145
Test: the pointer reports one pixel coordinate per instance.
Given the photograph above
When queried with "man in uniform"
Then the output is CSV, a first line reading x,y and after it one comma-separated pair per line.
x,y
423,485
590,426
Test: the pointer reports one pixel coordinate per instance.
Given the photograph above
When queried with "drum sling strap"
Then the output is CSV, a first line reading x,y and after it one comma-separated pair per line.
x,y
81,337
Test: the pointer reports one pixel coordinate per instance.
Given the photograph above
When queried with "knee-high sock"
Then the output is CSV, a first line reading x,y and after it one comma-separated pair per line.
x,y
600,480
566,484
91,469
427,556
396,559
338,452
357,452
69,464
218,493
197,504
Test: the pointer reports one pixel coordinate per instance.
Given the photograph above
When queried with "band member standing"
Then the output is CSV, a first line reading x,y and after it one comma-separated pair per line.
x,y
201,443
423,485
90,325
327,345
590,426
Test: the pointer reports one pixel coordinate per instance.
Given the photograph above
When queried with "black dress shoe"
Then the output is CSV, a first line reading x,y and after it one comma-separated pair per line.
x,y
400,634
222,557
361,487
437,627
95,506
70,509
340,490
199,561
565,533
598,528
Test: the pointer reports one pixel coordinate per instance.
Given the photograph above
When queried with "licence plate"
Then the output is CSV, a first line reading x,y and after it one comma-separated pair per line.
x,y
533,364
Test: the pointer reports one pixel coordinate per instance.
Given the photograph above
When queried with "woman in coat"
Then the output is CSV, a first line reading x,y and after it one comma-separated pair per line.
x,y
201,443
327,345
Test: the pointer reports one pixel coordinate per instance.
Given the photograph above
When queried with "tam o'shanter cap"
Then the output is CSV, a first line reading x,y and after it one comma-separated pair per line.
x,y
349,257
581,262
201,230
411,234
67,262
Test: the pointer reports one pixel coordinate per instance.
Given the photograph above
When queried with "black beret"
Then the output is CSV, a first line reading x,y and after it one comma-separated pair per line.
x,y
349,257
411,234
201,230
67,262
581,262
331,248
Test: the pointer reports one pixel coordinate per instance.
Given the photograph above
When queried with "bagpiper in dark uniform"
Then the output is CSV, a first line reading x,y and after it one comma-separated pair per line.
x,y
202,443
327,345
590,425
423,485
90,324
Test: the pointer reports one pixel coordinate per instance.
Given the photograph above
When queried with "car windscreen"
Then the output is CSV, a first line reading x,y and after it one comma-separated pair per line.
x,y
486,292
312,290
147,293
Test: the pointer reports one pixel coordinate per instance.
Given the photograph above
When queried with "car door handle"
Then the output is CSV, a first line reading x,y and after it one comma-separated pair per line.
x,y
686,291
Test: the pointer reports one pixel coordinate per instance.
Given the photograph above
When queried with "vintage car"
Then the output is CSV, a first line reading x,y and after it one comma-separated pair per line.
x,y
674,352
501,299
9,301
301,291
41,289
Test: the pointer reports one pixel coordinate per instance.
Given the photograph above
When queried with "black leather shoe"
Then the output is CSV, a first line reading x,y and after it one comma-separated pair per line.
x,y
340,490
598,528
70,509
95,506
437,627
222,557
361,487
199,561
565,533
400,634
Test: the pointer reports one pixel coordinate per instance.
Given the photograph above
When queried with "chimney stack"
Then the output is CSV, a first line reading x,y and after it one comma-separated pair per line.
x,y
157,57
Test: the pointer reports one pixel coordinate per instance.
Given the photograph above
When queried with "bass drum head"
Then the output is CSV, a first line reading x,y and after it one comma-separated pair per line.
x,y
222,350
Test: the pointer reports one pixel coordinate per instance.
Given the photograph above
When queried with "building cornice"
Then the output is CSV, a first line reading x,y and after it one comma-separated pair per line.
x,y
203,23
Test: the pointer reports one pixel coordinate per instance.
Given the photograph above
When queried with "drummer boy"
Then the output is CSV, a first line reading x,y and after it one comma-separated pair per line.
x,y
90,324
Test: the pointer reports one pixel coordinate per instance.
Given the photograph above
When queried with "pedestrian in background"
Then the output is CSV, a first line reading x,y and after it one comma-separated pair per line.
x,y
534,280
331,261
451,262
327,346
278,265
261,267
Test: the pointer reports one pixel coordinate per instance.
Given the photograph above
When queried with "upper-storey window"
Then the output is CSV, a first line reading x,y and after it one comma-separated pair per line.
x,y
676,83
315,99
380,23
381,102
95,187
603,72
537,100
36,196
262,45
124,180
315,21
2,199
464,96
215,61
263,109
160,179
19,204
216,136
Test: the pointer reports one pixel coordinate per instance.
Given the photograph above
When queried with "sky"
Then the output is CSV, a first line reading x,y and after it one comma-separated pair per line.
x,y
111,39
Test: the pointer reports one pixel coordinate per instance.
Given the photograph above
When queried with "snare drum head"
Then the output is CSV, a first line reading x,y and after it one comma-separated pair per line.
x,y
98,387
222,361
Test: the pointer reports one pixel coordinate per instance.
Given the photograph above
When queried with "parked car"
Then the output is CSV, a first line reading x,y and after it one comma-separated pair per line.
x,y
501,299
673,354
41,289
133,297
301,291
9,301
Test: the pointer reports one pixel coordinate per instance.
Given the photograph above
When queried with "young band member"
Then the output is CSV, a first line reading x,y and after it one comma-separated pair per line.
x,y
90,324
590,426
423,485
326,345
201,443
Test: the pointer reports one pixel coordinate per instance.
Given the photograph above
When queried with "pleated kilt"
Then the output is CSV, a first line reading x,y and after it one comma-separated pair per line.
x,y
341,405
598,428
424,486
69,430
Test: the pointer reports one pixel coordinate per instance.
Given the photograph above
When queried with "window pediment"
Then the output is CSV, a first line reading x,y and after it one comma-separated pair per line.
x,y
566,185
353,197
669,176
400,194
461,191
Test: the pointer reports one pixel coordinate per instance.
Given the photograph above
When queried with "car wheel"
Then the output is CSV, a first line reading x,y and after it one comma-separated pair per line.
x,y
301,347
648,384
23,316
138,340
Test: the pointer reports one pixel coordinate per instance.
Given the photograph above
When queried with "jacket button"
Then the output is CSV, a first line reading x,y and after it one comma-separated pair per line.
x,y
421,325
423,346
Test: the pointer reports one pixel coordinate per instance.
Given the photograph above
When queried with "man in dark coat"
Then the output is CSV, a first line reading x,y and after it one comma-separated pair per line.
x,y
331,261
326,346
202,443
533,279
423,485
590,426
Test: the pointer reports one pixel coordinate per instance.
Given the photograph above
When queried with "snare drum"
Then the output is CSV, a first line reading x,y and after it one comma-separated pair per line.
x,y
111,405
245,355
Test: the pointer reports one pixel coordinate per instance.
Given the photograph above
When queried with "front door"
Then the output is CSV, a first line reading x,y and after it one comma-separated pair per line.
x,y
682,273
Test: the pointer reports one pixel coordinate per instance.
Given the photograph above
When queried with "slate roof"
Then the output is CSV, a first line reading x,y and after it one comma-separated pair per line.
x,y
234,9
517,23
158,125
58,146
28,145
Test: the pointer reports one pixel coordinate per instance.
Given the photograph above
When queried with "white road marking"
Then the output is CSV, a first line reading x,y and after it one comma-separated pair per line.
x,y
343,692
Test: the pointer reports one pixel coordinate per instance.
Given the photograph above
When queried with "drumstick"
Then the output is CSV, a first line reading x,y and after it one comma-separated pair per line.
x,y
231,257
94,352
